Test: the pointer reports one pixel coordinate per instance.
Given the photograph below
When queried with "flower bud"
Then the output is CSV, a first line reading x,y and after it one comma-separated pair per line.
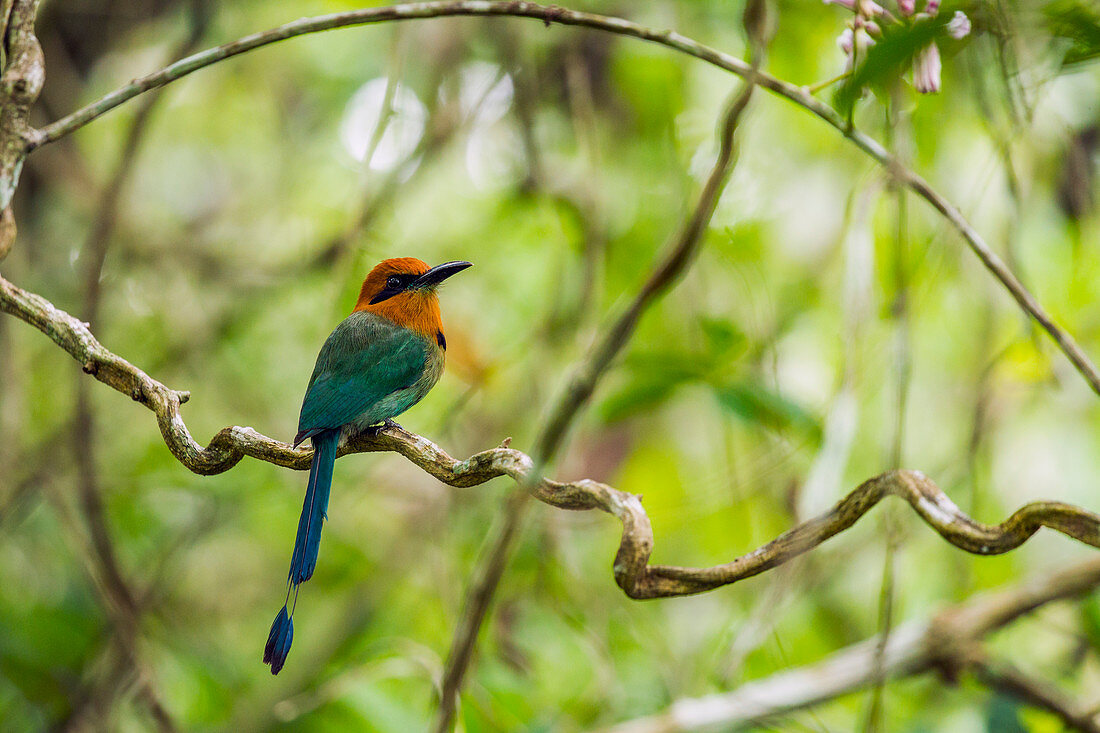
x,y
866,7
846,41
959,25
926,70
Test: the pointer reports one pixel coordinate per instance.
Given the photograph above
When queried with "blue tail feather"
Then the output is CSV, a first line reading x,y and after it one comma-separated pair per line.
x,y
307,542
279,640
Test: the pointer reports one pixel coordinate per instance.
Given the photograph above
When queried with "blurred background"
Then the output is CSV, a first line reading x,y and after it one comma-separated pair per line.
x,y
830,329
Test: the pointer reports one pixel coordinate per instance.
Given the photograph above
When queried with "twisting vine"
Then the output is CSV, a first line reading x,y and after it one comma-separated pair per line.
x,y
633,573
22,80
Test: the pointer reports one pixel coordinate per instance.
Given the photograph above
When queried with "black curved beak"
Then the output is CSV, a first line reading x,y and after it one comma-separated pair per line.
x,y
439,273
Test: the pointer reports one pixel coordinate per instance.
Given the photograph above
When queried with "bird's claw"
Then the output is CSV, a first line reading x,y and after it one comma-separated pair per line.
x,y
374,430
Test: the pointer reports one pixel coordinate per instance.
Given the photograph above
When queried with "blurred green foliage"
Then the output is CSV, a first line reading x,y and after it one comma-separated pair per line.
x,y
1079,23
560,161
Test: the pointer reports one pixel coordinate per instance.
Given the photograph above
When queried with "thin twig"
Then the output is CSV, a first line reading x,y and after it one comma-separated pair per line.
x,y
899,311
579,389
553,14
549,14
815,88
119,606
941,643
1041,694
121,600
479,598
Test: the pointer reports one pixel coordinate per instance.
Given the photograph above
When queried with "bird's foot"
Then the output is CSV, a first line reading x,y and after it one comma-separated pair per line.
x,y
373,430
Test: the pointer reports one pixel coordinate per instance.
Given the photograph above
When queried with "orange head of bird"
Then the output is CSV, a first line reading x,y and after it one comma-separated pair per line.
x,y
402,289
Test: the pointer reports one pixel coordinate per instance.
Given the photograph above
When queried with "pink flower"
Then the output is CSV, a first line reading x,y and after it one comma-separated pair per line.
x,y
959,25
932,7
868,5
846,41
871,27
926,70
907,7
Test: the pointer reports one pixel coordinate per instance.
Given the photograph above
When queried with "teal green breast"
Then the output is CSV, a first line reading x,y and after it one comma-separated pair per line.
x,y
369,370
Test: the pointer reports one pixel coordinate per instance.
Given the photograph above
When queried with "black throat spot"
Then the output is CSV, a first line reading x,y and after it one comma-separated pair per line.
x,y
441,340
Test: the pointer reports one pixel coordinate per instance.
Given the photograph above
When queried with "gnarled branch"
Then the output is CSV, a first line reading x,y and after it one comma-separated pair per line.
x,y
633,573
20,84
943,642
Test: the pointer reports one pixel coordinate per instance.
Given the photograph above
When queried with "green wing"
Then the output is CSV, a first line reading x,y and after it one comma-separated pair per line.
x,y
365,360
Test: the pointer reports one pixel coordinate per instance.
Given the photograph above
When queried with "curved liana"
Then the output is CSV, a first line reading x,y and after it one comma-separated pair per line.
x,y
633,573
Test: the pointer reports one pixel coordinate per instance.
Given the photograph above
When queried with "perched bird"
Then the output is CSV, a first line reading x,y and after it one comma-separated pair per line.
x,y
380,361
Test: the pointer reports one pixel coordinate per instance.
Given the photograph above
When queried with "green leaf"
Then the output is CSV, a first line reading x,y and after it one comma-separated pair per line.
x,y
1080,25
1090,619
653,379
757,404
723,336
1003,715
885,62
654,376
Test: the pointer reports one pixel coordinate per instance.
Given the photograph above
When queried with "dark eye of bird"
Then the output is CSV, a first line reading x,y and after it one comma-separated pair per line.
x,y
393,281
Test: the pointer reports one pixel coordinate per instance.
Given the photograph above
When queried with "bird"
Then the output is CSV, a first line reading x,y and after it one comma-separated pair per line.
x,y
380,361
